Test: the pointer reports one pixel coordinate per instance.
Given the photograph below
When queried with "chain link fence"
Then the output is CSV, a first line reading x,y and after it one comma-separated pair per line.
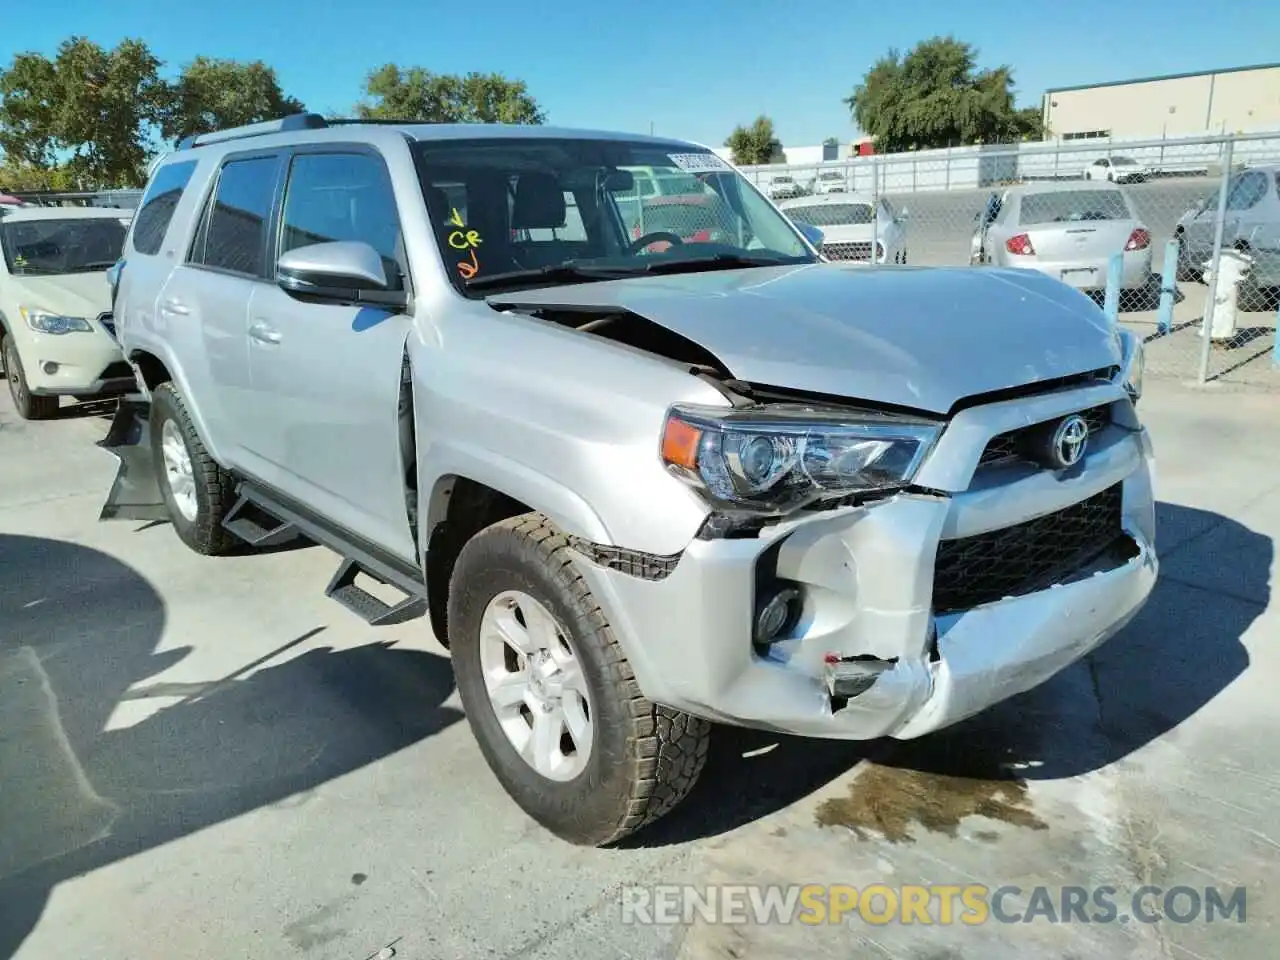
x,y
1172,237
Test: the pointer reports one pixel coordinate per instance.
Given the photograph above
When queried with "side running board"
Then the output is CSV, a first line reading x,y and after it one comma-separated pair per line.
x,y
263,519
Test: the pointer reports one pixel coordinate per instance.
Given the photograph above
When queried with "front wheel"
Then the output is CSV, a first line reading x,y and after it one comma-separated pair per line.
x,y
28,405
552,699
196,490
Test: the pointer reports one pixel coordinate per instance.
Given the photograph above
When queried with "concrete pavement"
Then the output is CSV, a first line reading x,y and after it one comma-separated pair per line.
x,y
206,758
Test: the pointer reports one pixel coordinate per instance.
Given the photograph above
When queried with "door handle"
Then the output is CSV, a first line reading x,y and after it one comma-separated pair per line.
x,y
174,306
263,333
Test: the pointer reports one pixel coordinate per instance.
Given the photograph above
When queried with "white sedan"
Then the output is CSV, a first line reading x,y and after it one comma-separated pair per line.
x,y
1117,169
852,223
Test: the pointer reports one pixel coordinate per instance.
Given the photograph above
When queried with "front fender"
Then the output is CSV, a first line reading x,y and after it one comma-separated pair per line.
x,y
439,462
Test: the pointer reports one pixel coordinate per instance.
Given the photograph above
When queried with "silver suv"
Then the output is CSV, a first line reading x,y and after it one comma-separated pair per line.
x,y
637,484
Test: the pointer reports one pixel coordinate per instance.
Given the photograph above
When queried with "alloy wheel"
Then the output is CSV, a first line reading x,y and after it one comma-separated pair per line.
x,y
536,685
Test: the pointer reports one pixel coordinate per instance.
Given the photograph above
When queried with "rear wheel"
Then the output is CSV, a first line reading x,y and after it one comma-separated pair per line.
x,y
197,492
552,699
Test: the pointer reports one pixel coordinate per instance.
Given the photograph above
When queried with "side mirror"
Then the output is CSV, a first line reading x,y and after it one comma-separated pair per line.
x,y
904,213
811,233
346,271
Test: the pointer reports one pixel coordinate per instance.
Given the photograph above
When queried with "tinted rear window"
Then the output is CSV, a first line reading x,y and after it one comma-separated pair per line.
x,y
1073,205
237,233
157,206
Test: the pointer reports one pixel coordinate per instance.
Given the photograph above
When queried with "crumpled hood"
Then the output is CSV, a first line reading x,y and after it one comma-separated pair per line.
x,y
920,337
72,295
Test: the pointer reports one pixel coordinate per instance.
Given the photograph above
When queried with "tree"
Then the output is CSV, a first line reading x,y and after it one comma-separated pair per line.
x,y
418,94
94,104
936,96
754,145
212,94
19,175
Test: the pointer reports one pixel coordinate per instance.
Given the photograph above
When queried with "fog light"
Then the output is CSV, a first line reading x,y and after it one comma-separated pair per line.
x,y
775,615
50,367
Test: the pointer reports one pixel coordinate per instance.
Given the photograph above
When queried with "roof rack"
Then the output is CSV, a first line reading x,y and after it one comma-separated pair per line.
x,y
295,121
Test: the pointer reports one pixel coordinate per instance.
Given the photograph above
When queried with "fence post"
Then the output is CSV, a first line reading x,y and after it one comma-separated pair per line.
x,y
1115,273
1215,261
875,206
1275,347
1168,287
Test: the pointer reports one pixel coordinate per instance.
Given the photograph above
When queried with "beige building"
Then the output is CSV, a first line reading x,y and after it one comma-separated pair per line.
x,y
1237,100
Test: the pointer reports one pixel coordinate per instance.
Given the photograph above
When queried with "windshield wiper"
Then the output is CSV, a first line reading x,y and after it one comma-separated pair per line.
x,y
570,271
556,272
719,261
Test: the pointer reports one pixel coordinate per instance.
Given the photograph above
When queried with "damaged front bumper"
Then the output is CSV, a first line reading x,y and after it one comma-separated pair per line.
x,y
895,636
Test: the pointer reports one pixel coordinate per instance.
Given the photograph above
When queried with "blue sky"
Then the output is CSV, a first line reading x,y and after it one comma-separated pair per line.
x,y
690,71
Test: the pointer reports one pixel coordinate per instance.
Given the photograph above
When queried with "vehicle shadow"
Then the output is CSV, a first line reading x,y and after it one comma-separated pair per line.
x,y
79,637
1181,651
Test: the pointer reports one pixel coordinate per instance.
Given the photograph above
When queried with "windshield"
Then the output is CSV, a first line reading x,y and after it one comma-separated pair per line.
x,y
70,245
513,212
1073,205
831,214
1123,162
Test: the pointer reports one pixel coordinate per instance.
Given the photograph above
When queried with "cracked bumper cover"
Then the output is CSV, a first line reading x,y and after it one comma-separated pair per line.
x,y
867,576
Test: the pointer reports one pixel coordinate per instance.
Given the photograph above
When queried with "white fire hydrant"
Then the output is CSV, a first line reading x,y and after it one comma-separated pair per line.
x,y
1232,272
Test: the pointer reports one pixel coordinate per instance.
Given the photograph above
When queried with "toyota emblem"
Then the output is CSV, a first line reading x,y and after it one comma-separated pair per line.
x,y
1069,441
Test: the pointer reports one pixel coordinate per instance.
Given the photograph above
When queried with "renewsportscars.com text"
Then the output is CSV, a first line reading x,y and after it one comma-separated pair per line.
x,y
940,904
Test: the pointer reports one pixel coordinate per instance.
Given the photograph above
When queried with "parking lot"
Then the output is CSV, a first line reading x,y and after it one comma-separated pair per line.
x,y
206,758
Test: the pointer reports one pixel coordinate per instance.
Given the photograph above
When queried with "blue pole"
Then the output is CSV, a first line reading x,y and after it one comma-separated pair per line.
x,y
1168,287
1112,303
1275,348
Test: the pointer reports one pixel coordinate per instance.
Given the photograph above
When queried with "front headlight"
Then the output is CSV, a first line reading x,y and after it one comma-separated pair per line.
x,y
780,458
42,321
1132,363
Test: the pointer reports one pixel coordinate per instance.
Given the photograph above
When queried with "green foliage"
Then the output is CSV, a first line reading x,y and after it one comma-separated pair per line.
x,y
754,145
89,118
19,175
418,94
87,101
213,94
936,96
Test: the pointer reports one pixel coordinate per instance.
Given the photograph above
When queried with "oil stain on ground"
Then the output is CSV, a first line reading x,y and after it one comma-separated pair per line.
x,y
890,801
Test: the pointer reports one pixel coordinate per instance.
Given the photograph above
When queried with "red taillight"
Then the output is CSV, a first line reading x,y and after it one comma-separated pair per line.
x,y
1138,240
1020,246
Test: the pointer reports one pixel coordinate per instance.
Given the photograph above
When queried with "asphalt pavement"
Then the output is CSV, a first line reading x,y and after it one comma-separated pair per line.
x,y
204,758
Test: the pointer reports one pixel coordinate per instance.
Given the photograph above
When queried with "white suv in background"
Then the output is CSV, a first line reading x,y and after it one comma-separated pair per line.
x,y
53,300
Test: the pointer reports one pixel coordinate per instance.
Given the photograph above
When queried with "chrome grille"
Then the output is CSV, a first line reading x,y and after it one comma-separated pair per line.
x,y
860,250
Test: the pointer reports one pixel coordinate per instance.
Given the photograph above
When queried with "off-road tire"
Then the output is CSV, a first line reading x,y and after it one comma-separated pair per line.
x,y
29,407
215,489
645,758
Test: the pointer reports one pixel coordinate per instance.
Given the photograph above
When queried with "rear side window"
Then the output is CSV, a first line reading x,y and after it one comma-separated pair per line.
x,y
157,206
341,196
1247,191
235,233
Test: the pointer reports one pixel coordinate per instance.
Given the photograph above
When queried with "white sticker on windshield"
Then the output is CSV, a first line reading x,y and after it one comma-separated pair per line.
x,y
699,162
